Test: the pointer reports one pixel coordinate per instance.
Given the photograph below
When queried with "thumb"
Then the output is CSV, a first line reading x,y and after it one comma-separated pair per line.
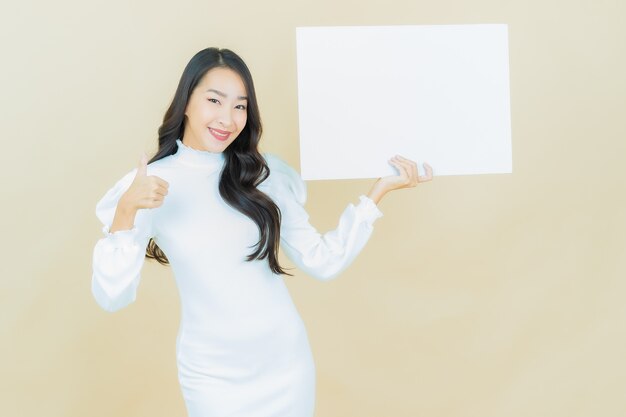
x,y
142,168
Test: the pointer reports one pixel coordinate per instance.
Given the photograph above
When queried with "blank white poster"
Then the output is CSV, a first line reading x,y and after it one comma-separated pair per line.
x,y
436,94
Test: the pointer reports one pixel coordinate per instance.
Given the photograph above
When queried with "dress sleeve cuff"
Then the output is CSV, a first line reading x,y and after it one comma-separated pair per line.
x,y
368,209
121,238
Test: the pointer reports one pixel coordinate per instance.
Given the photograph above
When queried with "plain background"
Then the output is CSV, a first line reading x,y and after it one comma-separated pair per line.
x,y
480,296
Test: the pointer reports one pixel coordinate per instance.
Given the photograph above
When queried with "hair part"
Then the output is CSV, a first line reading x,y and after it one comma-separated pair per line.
x,y
244,167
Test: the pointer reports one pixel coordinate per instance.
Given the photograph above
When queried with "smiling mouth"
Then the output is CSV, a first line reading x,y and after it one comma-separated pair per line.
x,y
220,135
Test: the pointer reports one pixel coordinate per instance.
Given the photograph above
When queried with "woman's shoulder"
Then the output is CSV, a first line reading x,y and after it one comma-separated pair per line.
x,y
283,179
163,165
277,164
157,168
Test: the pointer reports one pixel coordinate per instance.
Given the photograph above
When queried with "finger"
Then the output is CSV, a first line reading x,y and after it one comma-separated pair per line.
x,y
161,191
403,169
142,168
161,182
153,201
414,173
398,165
155,189
155,182
407,164
429,173
412,167
403,159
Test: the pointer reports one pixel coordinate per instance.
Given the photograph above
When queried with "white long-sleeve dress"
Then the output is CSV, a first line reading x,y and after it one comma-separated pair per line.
x,y
242,349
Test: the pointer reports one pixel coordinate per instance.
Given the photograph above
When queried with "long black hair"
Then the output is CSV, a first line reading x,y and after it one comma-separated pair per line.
x,y
244,168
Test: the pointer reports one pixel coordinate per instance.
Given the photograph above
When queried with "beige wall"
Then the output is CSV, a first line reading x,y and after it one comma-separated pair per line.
x,y
480,296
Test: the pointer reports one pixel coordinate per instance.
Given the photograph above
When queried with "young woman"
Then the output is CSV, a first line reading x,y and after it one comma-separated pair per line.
x,y
215,209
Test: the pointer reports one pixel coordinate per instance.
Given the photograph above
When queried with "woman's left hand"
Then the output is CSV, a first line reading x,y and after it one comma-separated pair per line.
x,y
407,177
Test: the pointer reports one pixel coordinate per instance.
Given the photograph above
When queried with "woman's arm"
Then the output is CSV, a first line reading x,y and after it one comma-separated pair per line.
x,y
324,256
119,256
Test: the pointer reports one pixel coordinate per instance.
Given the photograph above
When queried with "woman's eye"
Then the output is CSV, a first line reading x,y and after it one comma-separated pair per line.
x,y
213,100
240,107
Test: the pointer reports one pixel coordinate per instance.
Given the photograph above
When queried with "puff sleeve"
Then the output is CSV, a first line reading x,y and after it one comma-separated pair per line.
x,y
323,256
119,256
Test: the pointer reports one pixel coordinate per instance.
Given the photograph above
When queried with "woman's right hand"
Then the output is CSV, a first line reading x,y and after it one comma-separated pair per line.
x,y
145,192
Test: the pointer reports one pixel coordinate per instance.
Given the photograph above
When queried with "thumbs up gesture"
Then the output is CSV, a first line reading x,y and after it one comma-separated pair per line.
x,y
146,191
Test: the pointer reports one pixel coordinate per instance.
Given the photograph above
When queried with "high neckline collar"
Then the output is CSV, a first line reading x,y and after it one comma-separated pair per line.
x,y
194,157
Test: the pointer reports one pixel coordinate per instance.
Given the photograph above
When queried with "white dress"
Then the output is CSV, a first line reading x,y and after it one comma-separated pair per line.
x,y
242,349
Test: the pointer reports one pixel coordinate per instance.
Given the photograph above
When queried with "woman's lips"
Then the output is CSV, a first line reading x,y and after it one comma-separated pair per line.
x,y
221,135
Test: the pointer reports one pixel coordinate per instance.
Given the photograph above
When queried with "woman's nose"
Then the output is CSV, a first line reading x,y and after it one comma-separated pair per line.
x,y
226,117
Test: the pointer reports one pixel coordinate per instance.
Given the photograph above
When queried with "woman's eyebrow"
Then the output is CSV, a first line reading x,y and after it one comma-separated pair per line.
x,y
219,93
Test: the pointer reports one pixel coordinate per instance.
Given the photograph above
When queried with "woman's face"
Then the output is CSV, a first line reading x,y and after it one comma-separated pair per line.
x,y
216,112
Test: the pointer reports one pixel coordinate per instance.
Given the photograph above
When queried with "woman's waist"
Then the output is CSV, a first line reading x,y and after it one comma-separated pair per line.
x,y
230,297
223,320
252,337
